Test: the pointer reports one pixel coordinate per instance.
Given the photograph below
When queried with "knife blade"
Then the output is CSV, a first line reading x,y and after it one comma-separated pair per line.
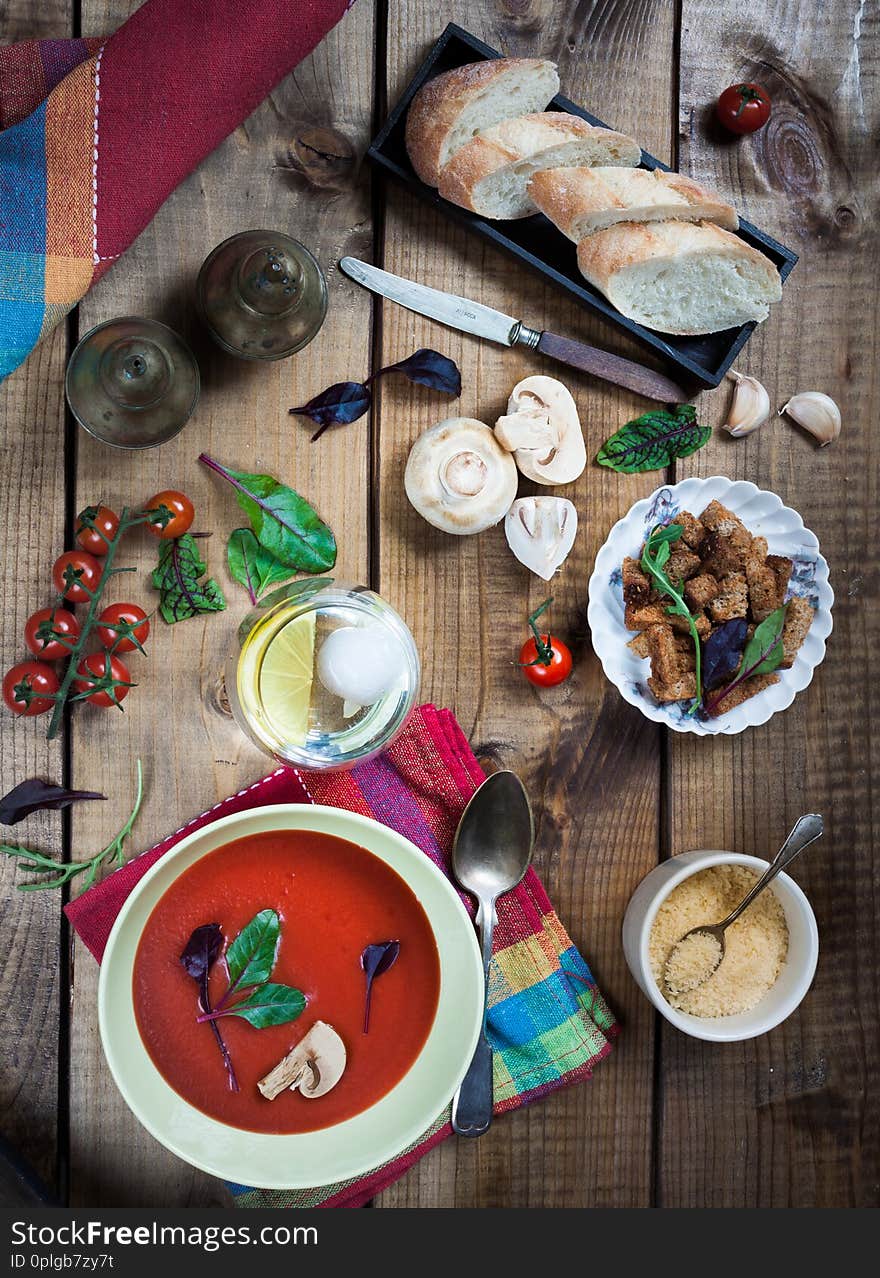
x,y
482,321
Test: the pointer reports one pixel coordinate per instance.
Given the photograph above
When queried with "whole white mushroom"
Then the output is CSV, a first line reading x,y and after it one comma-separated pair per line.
x,y
459,478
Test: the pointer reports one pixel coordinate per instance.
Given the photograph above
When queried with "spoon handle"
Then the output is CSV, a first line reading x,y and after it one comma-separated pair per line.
x,y
805,831
472,1103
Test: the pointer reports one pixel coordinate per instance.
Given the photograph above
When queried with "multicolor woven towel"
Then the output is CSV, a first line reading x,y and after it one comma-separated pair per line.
x,y
548,1023
96,135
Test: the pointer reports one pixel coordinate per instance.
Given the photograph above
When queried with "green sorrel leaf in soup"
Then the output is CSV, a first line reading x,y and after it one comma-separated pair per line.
x,y
269,1005
251,956
654,440
252,566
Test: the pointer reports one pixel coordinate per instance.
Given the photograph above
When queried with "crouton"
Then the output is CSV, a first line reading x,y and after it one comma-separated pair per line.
x,y
636,586
640,618
666,665
681,564
694,532
686,655
798,619
742,692
782,569
721,556
684,689
701,621
732,599
701,590
639,645
718,519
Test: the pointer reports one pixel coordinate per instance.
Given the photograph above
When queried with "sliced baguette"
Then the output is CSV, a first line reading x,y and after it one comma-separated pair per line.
x,y
455,106
489,175
583,200
680,277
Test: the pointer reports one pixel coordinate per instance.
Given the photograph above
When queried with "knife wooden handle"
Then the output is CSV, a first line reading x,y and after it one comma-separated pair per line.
x,y
612,368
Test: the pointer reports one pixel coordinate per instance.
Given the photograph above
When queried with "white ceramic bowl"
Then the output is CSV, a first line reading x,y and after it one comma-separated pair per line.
x,y
347,1149
792,983
763,514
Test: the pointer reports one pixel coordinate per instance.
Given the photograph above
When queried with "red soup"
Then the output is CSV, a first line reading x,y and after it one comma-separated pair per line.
x,y
333,899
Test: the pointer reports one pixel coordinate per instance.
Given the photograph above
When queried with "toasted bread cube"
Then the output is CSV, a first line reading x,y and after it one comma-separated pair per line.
x,y
721,556
743,691
641,618
684,689
636,587
666,664
702,622
798,619
682,564
686,655
718,519
701,590
767,586
694,532
732,599
639,645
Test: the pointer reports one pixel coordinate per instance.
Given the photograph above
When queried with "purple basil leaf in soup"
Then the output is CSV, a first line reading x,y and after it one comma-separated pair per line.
x,y
34,795
722,651
375,960
428,368
338,405
197,958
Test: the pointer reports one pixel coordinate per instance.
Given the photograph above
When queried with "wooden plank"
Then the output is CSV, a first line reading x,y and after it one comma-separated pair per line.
x,y
32,481
786,1120
175,721
590,762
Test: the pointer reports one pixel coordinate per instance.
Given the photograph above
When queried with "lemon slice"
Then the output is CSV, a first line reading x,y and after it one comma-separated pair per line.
x,y
286,679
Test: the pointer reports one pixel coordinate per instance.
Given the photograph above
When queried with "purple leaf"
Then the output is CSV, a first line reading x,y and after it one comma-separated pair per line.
x,y
428,368
722,651
339,404
33,795
375,960
197,958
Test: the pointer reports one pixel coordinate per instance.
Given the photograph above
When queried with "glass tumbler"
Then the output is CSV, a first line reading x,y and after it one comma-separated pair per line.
x,y
261,295
132,383
323,675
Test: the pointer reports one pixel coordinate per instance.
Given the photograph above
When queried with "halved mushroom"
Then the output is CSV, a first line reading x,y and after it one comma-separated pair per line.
x,y
313,1067
541,532
543,431
459,477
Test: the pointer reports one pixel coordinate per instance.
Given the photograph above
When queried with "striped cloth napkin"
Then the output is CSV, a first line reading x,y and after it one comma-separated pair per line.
x,y
98,133
547,1022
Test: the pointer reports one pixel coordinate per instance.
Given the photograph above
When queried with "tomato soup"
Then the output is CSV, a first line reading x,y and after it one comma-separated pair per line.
x,y
333,899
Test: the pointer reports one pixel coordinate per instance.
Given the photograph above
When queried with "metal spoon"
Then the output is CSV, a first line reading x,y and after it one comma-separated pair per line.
x,y
492,851
807,829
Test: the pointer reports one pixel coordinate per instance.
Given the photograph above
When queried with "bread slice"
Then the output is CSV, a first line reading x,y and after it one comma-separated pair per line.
x,y
457,105
583,200
490,174
680,277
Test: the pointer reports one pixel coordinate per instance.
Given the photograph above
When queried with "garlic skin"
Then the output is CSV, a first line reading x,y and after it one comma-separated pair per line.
x,y
817,413
749,408
540,532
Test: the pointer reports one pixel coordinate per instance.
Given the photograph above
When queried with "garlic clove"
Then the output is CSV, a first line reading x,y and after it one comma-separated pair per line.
x,y
540,532
817,413
749,408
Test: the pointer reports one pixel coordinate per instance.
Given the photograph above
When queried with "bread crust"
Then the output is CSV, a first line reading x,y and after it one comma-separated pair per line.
x,y
436,107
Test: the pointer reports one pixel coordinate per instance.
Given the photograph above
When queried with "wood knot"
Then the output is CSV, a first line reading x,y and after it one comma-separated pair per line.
x,y
324,157
792,155
845,218
218,698
525,15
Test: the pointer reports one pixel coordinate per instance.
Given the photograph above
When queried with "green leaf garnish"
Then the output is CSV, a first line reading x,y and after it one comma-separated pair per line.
x,y
183,595
655,556
763,654
654,440
251,956
268,1005
252,566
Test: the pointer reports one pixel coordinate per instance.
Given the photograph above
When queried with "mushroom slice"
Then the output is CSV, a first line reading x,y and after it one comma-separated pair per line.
x,y
541,532
543,431
459,477
313,1067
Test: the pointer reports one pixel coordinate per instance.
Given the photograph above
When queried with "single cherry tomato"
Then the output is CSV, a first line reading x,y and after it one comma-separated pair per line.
x,y
744,108
98,666
45,630
75,574
180,512
122,623
28,688
91,523
544,659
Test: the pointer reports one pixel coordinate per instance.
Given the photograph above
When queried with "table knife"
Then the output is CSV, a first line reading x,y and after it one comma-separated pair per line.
x,y
482,321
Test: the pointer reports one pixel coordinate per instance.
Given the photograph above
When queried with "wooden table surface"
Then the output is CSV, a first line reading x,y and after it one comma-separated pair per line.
x,y
789,1119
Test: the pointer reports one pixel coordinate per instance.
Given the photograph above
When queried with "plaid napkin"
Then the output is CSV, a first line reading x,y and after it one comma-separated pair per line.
x,y
97,134
547,1022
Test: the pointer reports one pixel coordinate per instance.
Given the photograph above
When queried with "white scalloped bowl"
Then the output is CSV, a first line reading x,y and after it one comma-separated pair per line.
x,y
764,514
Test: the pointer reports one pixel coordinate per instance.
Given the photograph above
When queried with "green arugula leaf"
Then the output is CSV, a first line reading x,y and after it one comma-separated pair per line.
x,y
654,440
251,956
655,556
177,580
269,1005
253,567
284,523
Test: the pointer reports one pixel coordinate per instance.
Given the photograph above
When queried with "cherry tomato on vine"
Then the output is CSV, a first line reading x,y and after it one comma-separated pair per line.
x,y
83,575
91,523
544,659
181,511
28,688
744,108
96,667
118,623
45,629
